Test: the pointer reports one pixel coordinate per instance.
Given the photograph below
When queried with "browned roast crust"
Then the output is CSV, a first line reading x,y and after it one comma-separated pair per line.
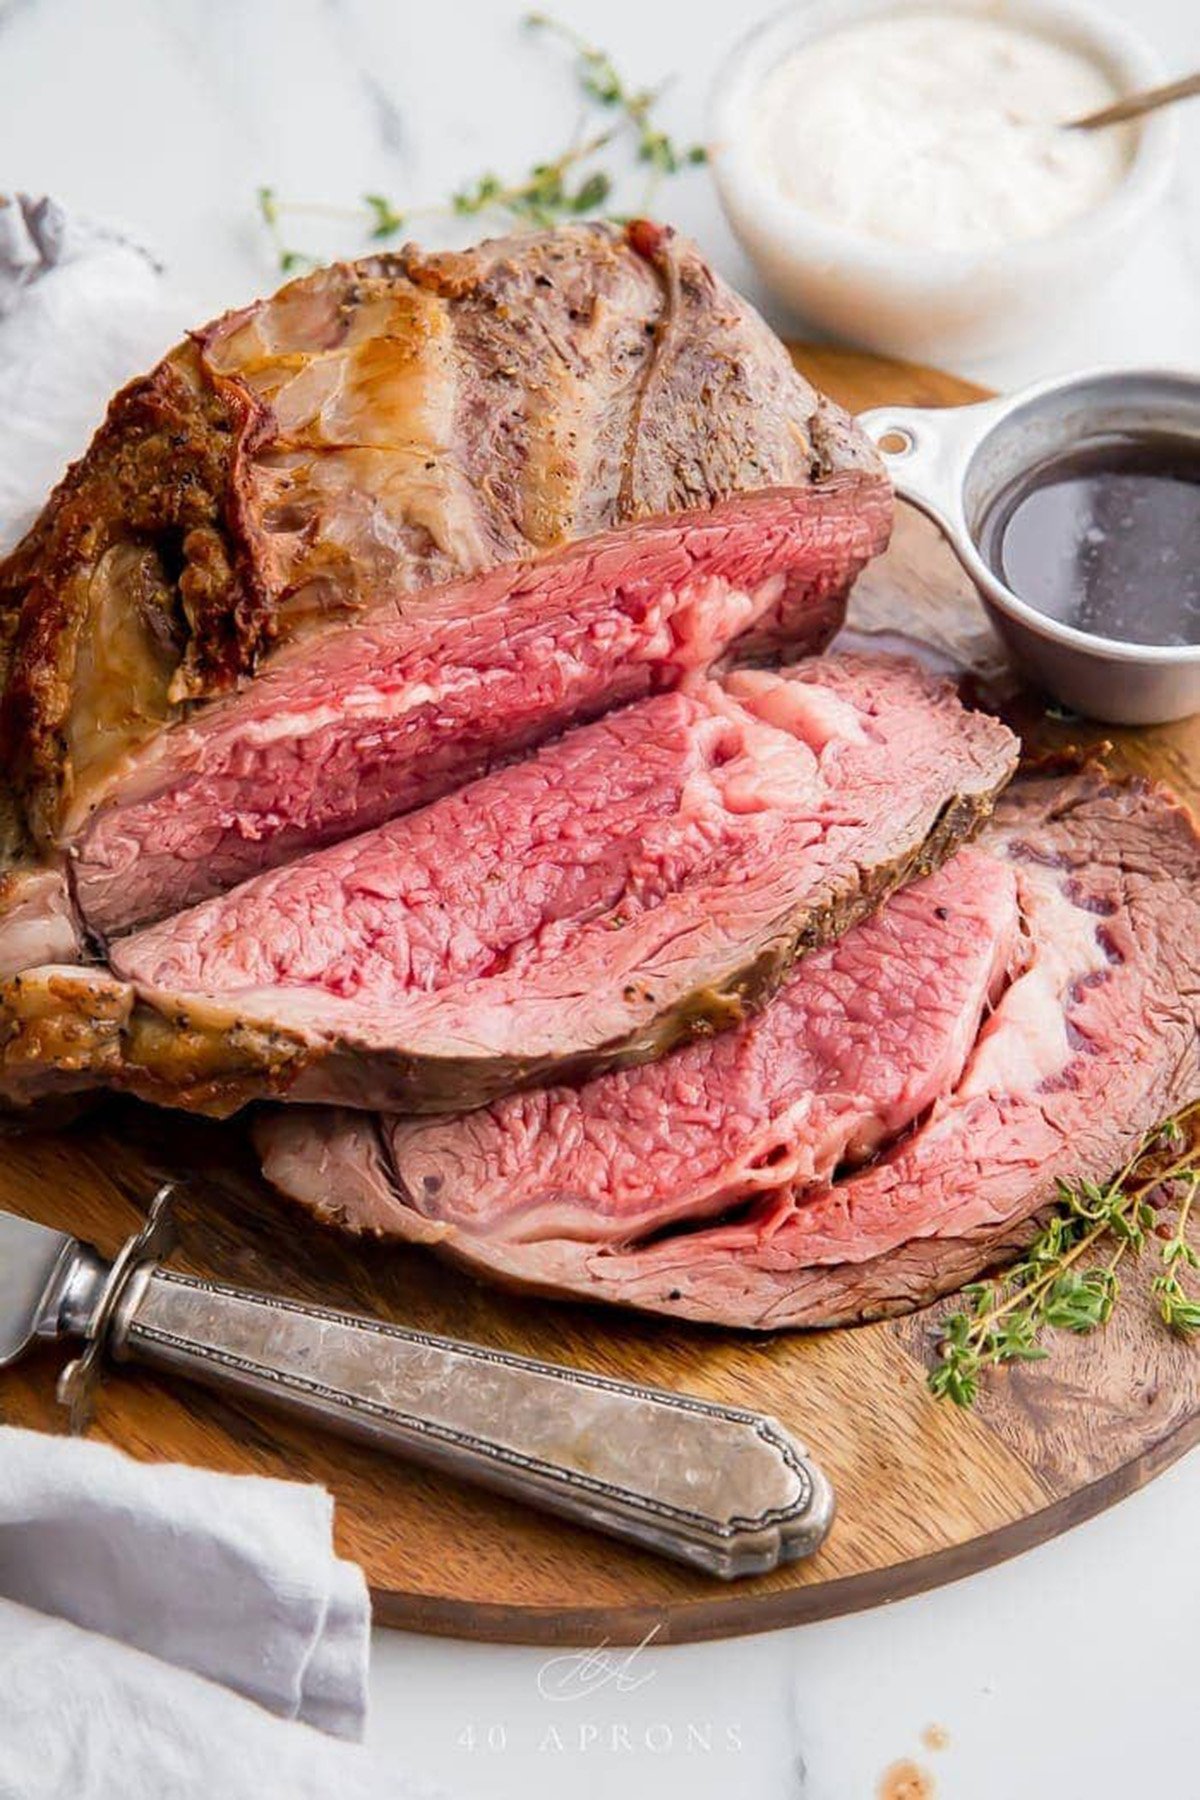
x,y
69,1029
637,385
161,475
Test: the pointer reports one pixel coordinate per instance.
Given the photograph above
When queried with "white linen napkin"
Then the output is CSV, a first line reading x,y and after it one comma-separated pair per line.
x,y
82,310
233,1577
83,1718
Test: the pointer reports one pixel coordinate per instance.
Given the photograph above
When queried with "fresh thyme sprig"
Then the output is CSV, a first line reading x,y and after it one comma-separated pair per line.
x,y
1176,1307
1003,1320
600,81
558,188
545,195
270,210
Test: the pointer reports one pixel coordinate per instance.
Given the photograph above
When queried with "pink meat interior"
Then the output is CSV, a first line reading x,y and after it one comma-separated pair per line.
x,y
865,1036
568,898
339,732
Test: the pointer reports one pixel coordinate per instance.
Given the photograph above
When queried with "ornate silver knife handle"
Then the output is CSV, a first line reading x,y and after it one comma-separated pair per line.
x,y
719,1487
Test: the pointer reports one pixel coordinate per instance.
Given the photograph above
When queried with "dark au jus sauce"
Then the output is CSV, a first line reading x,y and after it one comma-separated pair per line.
x,y
1106,539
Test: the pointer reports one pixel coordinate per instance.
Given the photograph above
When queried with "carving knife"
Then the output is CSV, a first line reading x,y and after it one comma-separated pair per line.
x,y
721,1488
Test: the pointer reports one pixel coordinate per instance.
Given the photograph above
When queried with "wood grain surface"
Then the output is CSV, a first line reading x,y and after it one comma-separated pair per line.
x,y
926,1493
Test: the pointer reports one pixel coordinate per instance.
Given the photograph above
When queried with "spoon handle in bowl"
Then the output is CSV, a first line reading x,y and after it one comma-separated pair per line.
x,y
1134,106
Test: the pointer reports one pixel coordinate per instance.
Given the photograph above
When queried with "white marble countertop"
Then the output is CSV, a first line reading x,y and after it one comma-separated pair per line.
x,y
326,99
1067,1672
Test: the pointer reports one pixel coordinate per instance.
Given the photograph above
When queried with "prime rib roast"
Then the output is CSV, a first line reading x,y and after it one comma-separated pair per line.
x,y
640,880
414,710
343,550
882,1131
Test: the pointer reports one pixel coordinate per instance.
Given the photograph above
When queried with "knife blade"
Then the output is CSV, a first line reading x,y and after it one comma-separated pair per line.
x,y
48,1281
718,1487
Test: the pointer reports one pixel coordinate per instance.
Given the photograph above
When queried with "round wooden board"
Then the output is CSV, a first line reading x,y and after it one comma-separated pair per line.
x,y
926,1493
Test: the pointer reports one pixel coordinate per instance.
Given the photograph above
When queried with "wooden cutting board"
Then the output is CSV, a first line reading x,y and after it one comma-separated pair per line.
x,y
926,1493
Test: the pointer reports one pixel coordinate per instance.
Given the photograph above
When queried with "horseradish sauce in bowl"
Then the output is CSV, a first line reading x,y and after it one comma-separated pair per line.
x,y
902,175
938,130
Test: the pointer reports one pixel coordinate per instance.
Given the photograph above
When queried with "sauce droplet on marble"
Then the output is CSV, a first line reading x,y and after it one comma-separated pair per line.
x,y
906,1780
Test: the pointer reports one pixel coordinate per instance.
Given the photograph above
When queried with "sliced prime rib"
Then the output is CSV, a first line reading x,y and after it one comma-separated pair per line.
x,y
863,1036
645,879
346,548
728,1183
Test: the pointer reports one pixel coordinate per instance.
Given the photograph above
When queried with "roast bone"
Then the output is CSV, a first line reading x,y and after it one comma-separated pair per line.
x,y
887,1127
643,880
342,550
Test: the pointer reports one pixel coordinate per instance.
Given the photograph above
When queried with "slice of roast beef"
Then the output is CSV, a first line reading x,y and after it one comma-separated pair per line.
x,y
1093,1040
864,1035
643,880
345,549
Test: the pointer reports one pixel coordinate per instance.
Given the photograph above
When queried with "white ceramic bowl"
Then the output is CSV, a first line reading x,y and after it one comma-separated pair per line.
x,y
933,305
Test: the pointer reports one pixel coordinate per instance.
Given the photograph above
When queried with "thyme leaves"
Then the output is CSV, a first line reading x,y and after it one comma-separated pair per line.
x,y
1069,1277
574,184
601,82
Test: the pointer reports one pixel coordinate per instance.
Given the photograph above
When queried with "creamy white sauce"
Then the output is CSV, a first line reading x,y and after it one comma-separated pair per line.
x,y
938,130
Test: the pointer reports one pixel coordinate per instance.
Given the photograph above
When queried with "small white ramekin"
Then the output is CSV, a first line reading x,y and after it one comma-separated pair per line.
x,y
933,305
